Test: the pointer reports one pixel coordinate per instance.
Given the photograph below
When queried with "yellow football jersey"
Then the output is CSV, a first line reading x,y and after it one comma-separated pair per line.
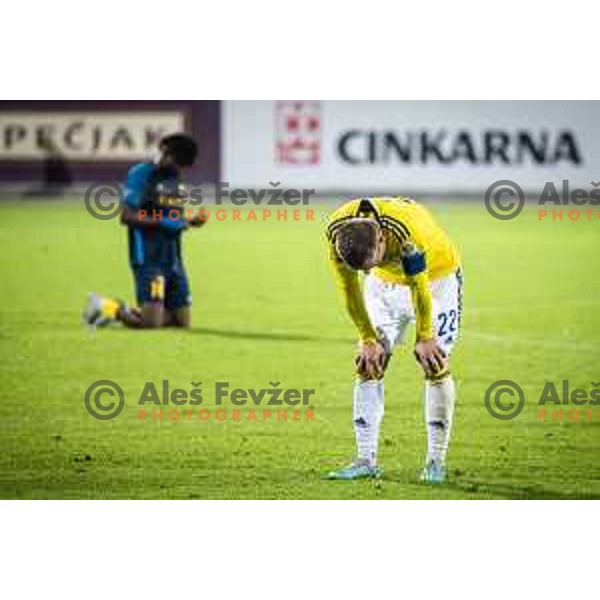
x,y
408,228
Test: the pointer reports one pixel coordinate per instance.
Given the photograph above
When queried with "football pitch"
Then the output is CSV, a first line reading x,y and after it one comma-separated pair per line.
x,y
265,311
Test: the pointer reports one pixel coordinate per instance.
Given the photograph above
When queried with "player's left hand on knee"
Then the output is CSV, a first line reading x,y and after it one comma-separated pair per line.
x,y
431,357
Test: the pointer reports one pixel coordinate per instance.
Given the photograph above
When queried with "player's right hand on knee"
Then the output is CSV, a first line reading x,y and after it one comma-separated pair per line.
x,y
370,360
431,357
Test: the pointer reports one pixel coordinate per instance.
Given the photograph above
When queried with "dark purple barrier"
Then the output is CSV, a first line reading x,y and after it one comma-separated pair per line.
x,y
96,140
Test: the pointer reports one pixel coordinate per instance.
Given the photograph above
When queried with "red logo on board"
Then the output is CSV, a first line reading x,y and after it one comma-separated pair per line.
x,y
298,132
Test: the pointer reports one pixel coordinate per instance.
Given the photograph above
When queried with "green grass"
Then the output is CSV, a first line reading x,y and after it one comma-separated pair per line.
x,y
265,309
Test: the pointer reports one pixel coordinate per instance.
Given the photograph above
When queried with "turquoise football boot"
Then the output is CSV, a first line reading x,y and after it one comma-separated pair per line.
x,y
434,473
356,470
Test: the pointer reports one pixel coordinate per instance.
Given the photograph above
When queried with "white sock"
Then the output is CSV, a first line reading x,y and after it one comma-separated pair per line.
x,y
368,413
439,410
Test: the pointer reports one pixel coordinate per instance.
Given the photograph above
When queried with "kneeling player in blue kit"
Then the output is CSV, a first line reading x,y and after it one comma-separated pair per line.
x,y
155,225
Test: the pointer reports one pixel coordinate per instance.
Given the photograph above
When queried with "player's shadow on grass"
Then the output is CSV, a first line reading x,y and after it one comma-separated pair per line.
x,y
521,492
267,336
482,489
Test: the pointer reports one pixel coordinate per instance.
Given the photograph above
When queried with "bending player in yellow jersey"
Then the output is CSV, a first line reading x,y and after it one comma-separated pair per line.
x,y
413,274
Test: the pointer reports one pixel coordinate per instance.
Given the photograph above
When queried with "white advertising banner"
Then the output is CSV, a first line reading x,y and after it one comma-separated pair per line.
x,y
410,146
85,136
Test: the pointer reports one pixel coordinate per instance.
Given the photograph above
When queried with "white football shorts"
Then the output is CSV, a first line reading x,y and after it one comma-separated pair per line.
x,y
390,309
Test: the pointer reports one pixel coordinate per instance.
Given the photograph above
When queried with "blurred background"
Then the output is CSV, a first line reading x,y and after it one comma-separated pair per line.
x,y
409,147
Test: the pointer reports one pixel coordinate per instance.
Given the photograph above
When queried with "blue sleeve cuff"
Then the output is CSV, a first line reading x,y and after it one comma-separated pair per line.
x,y
414,263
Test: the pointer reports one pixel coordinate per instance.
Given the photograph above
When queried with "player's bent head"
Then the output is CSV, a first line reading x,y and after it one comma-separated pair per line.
x,y
360,243
180,148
